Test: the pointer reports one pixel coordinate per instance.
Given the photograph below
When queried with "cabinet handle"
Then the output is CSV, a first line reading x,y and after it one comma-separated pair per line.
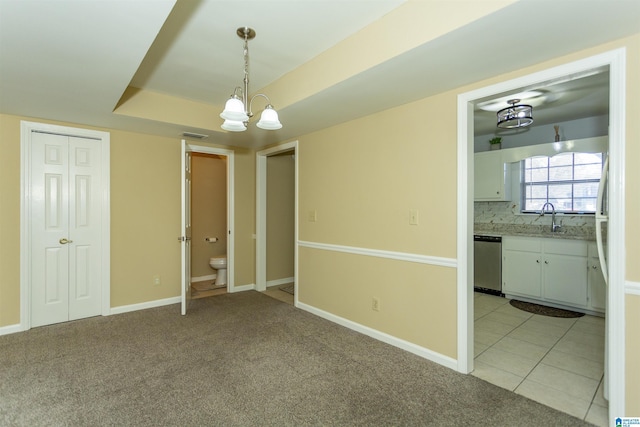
x,y
538,261
546,262
594,267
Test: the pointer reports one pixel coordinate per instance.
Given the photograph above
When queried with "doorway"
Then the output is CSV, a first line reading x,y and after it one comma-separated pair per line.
x,y
64,238
208,187
615,60
280,269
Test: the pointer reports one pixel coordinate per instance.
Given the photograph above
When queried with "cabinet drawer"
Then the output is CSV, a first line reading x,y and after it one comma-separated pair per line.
x,y
526,244
565,247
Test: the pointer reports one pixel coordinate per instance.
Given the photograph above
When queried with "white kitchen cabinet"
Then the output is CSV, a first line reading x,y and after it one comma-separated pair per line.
x,y
492,177
597,286
521,266
565,271
551,270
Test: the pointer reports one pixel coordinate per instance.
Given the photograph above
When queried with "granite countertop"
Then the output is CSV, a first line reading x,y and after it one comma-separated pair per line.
x,y
526,230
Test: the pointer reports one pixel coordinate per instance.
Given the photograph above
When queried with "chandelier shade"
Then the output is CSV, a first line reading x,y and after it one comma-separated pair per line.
x,y
515,116
269,119
234,125
234,110
237,110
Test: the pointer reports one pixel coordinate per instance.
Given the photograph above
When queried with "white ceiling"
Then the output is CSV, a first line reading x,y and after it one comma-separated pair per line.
x,y
72,60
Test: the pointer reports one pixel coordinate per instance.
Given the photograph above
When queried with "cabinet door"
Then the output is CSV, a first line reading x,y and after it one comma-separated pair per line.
x,y
521,273
597,286
565,279
489,177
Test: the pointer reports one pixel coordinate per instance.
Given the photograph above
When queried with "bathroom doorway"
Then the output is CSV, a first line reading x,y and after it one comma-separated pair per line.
x,y
207,221
276,220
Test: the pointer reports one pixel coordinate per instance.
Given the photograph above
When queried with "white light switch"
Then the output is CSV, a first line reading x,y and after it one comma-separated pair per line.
x,y
413,217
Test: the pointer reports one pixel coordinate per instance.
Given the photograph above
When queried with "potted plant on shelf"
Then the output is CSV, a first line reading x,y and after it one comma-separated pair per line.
x,y
495,143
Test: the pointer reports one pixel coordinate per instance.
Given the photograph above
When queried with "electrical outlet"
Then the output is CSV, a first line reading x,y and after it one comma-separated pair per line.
x,y
156,280
375,304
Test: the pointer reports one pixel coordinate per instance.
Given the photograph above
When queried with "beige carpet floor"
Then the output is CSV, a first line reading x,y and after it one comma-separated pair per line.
x,y
240,359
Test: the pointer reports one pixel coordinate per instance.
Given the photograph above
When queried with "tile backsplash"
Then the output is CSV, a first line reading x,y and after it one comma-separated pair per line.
x,y
505,218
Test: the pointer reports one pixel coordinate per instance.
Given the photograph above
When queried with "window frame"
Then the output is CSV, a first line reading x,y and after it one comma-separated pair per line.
x,y
524,185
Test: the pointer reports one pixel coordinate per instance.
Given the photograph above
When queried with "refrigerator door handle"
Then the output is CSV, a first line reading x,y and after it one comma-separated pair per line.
x,y
602,216
601,208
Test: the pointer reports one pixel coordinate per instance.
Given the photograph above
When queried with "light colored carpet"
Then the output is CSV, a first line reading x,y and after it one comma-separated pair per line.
x,y
241,359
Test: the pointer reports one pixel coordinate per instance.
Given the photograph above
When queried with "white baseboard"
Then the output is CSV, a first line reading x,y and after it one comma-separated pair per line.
x,y
204,278
279,282
144,305
242,288
381,336
11,329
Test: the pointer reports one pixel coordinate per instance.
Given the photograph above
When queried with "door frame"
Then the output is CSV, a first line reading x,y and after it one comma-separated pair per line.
x,y
26,128
615,332
192,148
261,214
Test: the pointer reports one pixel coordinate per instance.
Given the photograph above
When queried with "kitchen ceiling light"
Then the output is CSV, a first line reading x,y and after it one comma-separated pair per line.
x,y
236,115
515,116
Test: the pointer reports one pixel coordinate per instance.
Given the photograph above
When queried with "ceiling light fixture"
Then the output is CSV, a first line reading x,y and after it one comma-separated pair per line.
x,y
236,115
515,116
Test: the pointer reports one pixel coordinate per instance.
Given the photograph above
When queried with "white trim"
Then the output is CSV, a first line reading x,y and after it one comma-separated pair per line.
x,y
278,282
242,288
400,256
381,336
144,305
261,214
615,60
632,288
203,278
230,205
26,128
11,329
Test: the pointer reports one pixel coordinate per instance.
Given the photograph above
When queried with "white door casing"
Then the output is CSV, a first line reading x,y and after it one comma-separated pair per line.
x,y
261,215
185,238
186,150
615,60
64,224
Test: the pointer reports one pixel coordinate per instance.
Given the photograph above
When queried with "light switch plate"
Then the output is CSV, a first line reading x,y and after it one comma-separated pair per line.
x,y
413,217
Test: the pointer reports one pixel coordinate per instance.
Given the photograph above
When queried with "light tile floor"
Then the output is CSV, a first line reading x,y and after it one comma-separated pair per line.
x,y
558,362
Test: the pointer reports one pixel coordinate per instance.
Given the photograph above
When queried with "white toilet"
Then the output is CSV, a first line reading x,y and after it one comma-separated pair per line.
x,y
219,263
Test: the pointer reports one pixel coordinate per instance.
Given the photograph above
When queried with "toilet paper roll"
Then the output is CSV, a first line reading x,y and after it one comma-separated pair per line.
x,y
211,239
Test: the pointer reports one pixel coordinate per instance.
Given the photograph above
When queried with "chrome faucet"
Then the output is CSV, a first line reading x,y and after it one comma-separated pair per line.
x,y
554,226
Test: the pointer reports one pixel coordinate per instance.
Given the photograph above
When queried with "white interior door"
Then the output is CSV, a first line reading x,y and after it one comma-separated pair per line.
x,y
185,238
65,224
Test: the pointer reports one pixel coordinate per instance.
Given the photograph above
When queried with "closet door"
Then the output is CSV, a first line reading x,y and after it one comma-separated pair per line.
x,y
65,228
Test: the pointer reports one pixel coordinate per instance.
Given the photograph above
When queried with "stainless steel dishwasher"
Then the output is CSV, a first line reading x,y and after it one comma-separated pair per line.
x,y
487,264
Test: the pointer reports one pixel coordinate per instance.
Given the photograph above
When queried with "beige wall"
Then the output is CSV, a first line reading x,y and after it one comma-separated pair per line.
x,y
145,217
280,216
362,178
208,210
9,220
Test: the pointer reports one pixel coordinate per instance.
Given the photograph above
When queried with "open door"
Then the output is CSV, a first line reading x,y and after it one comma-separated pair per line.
x,y
185,238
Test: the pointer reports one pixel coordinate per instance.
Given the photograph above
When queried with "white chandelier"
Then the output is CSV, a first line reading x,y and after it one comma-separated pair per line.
x,y
236,115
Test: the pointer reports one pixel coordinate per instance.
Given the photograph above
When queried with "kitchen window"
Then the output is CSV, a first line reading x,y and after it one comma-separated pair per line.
x,y
568,180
